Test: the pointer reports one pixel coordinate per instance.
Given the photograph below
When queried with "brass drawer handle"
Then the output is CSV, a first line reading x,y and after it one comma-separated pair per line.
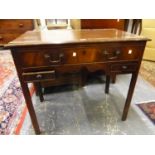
x,y
114,55
61,55
112,58
55,61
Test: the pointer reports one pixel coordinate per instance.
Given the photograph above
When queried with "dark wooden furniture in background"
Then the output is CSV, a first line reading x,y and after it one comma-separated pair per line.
x,y
121,24
49,55
12,28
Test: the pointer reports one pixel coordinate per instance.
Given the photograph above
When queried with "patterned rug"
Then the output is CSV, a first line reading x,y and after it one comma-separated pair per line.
x,y
149,110
147,71
7,70
11,107
12,103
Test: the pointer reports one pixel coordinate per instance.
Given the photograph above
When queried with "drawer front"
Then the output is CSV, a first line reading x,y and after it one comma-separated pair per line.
x,y
122,53
51,57
124,67
78,55
82,55
103,53
39,76
16,24
5,38
40,58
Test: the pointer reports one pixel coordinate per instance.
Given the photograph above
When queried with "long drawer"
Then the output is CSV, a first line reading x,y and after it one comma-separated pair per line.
x,y
77,55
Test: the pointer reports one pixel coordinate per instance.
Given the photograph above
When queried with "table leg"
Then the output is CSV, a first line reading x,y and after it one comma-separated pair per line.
x,y
30,107
40,93
36,88
129,96
107,84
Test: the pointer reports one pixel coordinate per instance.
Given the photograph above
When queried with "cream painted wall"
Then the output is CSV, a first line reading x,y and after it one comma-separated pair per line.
x,y
75,23
148,30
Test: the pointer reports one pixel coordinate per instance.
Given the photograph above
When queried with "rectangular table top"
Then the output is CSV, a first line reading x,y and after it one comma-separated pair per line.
x,y
66,36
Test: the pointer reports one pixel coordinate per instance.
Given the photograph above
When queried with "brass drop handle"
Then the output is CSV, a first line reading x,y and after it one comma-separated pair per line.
x,y
112,58
21,25
115,54
61,55
55,61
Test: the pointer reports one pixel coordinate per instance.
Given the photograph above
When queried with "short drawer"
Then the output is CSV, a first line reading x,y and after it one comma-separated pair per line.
x,y
39,76
124,67
122,53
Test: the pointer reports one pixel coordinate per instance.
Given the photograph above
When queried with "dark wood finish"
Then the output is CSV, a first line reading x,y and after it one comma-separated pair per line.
x,y
120,24
37,76
30,108
129,96
91,23
112,51
39,91
88,54
26,94
124,67
13,28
